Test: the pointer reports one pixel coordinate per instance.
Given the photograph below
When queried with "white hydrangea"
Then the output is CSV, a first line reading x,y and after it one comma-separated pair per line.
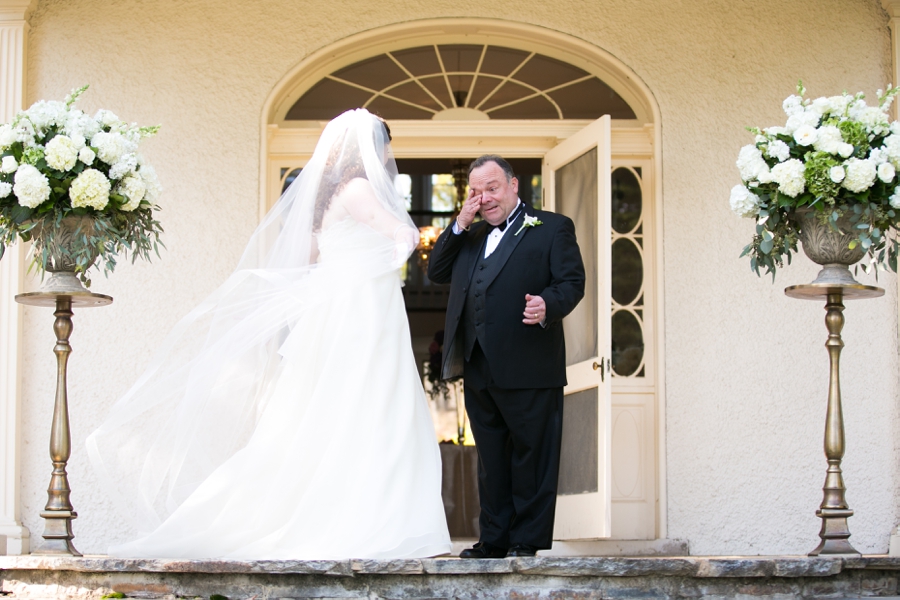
x,y
778,150
60,153
837,173
797,120
134,189
860,174
90,189
743,202
8,164
78,122
839,104
829,139
886,172
875,121
123,167
7,136
792,105
110,146
31,186
806,135
24,132
151,182
845,150
5,189
789,177
879,155
86,155
750,163
46,114
822,106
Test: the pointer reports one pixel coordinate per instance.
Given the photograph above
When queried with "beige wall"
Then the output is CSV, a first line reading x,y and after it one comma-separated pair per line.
x,y
746,368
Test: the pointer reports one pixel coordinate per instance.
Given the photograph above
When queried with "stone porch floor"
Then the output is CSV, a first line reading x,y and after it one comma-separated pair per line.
x,y
522,578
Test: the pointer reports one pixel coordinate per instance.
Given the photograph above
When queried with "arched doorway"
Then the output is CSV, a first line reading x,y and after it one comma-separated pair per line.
x,y
458,88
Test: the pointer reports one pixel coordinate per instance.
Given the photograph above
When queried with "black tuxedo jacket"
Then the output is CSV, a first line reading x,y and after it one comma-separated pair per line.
x,y
542,261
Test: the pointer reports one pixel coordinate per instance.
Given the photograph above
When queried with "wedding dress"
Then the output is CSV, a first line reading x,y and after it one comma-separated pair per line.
x,y
299,429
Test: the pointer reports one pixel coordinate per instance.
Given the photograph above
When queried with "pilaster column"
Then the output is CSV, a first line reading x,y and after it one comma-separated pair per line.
x,y
13,33
892,7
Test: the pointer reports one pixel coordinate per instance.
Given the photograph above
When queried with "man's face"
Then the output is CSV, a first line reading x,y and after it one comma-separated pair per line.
x,y
498,196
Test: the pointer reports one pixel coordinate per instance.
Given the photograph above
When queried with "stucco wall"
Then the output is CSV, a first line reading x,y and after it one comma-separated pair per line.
x,y
746,371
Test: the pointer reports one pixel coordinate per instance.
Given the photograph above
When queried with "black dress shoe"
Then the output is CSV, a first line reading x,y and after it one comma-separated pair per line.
x,y
483,550
521,550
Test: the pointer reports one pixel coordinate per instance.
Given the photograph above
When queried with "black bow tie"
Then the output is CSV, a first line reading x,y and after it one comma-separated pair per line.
x,y
502,226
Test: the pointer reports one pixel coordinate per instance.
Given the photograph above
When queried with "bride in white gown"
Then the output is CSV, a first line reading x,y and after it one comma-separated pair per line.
x,y
284,417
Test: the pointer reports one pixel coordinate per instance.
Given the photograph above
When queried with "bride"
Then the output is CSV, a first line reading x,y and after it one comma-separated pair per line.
x,y
284,418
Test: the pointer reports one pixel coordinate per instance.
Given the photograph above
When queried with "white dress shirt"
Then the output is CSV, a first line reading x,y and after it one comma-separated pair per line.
x,y
494,237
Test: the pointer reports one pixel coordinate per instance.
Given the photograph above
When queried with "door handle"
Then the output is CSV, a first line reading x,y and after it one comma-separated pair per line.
x,y
600,367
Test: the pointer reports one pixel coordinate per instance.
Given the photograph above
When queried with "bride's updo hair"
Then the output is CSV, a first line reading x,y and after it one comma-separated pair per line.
x,y
344,164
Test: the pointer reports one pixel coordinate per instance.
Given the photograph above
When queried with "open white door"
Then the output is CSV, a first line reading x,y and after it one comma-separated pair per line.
x,y
576,181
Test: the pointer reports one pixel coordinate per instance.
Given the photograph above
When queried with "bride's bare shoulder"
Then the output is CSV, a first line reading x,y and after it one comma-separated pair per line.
x,y
356,194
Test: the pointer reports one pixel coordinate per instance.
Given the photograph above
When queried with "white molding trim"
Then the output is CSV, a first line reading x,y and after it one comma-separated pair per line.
x,y
892,7
411,138
13,44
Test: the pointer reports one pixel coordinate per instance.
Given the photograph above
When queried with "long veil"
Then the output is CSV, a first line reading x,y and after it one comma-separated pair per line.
x,y
199,400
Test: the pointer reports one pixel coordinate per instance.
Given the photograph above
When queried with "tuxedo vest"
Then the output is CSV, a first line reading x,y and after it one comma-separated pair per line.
x,y
474,313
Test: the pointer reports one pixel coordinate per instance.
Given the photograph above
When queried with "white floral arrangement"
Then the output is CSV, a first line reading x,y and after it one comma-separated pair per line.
x,y
835,155
57,162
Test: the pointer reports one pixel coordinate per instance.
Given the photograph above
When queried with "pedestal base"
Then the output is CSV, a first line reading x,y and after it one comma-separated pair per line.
x,y
835,533
58,533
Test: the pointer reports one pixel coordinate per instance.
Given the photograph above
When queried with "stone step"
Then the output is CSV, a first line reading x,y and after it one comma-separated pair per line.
x,y
45,577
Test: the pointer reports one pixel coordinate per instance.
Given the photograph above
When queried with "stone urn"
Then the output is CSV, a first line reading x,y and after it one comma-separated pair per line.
x,y
829,248
58,244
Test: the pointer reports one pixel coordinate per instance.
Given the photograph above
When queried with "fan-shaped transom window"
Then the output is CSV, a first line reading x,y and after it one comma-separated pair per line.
x,y
462,81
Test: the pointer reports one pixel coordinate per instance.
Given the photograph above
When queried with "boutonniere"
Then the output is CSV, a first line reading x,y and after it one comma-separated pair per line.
x,y
529,222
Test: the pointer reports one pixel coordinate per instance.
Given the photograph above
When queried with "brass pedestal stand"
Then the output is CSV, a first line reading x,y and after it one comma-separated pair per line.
x,y
834,511
58,513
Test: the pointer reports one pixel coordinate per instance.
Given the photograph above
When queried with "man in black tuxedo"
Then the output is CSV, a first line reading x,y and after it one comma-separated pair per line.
x,y
513,276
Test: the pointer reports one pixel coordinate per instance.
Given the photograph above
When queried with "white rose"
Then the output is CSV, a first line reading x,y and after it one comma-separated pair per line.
x,y
133,188
828,139
789,176
845,150
778,150
860,175
31,188
90,189
743,202
750,163
106,118
797,120
9,164
886,172
806,135
837,173
61,153
86,155
5,189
